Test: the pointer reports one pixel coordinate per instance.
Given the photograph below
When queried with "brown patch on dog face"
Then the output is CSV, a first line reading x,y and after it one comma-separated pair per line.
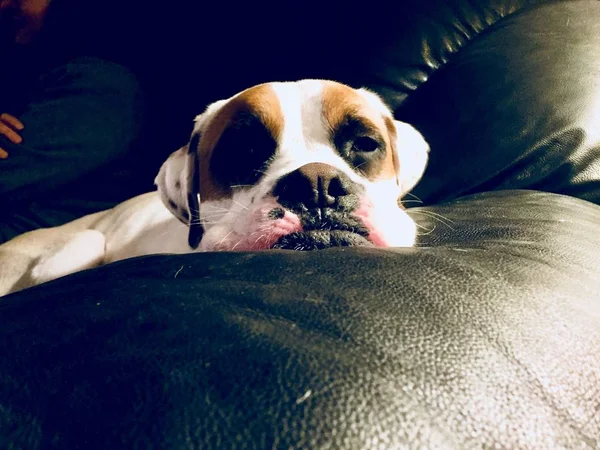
x,y
393,135
349,117
260,103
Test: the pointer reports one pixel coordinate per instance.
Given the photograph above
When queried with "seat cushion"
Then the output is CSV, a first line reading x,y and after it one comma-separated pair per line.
x,y
485,334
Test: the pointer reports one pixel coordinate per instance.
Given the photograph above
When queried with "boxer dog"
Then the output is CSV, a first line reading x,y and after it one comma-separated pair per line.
x,y
299,165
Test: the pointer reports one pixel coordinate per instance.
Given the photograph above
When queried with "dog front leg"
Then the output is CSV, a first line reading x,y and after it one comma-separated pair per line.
x,y
35,259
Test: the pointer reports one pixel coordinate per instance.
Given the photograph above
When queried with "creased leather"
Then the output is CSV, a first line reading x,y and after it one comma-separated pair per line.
x,y
487,334
517,108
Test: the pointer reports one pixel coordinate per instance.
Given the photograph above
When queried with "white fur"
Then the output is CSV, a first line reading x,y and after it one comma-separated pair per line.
x,y
305,140
147,224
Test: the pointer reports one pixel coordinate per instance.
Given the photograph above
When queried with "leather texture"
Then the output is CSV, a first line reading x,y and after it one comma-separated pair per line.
x,y
532,118
485,335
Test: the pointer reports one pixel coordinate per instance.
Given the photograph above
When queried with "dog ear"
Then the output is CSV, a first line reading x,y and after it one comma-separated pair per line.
x,y
178,184
410,152
193,192
178,180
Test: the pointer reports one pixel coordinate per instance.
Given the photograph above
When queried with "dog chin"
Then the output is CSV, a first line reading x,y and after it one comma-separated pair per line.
x,y
320,239
272,226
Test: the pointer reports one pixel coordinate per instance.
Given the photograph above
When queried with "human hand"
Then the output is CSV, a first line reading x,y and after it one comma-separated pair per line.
x,y
9,128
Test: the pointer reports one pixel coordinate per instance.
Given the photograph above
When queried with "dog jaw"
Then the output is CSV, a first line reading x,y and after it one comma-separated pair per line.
x,y
242,225
250,228
388,223
390,227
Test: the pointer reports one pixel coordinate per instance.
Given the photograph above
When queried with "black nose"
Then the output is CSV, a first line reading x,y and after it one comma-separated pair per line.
x,y
314,185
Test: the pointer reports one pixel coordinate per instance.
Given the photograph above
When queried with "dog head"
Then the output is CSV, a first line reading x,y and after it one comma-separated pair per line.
x,y
296,165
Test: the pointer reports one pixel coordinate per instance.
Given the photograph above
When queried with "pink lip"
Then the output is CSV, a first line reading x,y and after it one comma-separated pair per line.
x,y
290,223
364,214
266,232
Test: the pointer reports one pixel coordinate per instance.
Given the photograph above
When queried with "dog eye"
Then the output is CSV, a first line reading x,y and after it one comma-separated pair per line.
x,y
242,152
365,144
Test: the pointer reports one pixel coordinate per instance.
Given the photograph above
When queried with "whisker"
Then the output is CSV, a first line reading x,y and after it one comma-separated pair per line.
x,y
260,237
427,232
238,243
410,201
194,211
435,216
417,199
225,237
439,220
238,203
438,215
168,231
206,222
213,216
219,208
259,230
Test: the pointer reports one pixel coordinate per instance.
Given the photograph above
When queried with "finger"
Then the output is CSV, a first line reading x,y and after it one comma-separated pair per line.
x,y
10,134
3,153
12,121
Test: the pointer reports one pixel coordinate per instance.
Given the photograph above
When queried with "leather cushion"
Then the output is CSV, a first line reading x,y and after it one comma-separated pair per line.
x,y
516,108
486,334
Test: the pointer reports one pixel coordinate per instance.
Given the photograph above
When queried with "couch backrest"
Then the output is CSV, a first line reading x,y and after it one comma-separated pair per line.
x,y
506,91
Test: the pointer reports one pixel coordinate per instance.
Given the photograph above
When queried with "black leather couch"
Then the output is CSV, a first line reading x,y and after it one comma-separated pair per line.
x,y
486,335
